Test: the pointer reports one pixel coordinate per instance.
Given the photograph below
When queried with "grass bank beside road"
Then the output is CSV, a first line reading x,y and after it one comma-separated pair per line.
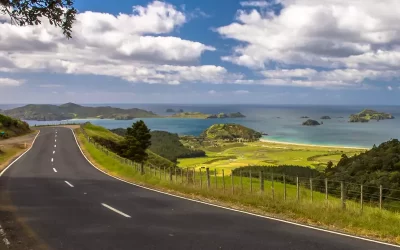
x,y
371,222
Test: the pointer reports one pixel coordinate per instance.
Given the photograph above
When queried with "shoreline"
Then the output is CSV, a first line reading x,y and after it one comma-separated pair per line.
x,y
312,145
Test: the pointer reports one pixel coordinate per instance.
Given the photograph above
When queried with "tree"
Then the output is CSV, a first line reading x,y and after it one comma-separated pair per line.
x,y
136,142
60,13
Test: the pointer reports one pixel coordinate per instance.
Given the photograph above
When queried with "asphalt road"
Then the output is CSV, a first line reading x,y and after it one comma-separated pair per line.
x,y
71,205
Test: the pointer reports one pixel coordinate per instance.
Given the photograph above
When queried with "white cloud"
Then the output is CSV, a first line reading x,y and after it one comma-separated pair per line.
x,y
255,4
390,88
241,92
8,82
212,92
128,46
353,36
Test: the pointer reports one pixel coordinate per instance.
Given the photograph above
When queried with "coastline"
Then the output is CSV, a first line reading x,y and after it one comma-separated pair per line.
x,y
312,145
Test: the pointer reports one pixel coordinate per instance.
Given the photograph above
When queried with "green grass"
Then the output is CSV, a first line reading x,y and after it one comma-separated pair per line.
x,y
8,153
232,155
93,130
328,214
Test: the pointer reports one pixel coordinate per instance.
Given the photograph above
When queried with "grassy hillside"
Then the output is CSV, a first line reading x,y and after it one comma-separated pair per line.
x,y
112,141
230,132
46,112
10,127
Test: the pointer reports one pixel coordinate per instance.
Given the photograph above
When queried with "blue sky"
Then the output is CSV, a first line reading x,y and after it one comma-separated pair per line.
x,y
272,52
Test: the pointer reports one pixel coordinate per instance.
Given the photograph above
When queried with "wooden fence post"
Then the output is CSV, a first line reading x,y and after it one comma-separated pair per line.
x,y
176,176
208,177
272,186
261,181
297,189
251,182
361,198
326,188
223,180
311,189
170,174
201,179
165,174
187,175
284,187
215,177
380,197
232,183
194,176
241,181
342,195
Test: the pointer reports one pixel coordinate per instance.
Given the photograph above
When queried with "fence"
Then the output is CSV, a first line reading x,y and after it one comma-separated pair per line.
x,y
278,187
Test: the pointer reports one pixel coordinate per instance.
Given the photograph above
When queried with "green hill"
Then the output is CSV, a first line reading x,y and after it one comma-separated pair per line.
x,y
47,112
112,141
378,166
368,114
230,131
10,127
167,145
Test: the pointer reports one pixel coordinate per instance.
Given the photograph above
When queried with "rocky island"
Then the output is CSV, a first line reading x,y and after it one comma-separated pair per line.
x,y
47,112
325,117
304,117
174,111
310,122
368,114
200,115
230,132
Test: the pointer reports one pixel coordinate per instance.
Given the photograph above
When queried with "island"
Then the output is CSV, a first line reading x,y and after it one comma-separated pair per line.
x,y
310,122
304,117
174,111
368,114
199,115
47,112
230,132
325,117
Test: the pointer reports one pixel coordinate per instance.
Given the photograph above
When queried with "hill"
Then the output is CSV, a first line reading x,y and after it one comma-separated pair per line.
x,y
368,114
10,127
47,112
310,122
378,166
167,145
230,132
112,141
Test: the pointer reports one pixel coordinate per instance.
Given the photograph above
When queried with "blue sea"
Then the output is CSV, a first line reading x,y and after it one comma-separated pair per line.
x,y
281,123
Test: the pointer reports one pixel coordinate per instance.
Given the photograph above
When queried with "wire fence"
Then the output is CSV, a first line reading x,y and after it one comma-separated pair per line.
x,y
278,187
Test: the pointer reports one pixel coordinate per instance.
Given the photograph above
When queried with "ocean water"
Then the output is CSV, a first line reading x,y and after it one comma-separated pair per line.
x,y
281,123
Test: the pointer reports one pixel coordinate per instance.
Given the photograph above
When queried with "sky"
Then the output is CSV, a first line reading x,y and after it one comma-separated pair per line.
x,y
210,51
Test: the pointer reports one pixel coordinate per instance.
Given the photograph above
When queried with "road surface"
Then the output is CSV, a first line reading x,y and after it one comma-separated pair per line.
x,y
71,205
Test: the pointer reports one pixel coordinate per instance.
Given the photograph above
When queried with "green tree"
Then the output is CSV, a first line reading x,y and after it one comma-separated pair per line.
x,y
60,13
136,142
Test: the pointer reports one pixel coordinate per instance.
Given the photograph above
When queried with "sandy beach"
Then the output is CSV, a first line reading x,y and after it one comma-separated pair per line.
x,y
311,145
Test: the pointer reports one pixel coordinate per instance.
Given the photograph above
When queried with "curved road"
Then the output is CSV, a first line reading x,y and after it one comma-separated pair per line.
x,y
71,205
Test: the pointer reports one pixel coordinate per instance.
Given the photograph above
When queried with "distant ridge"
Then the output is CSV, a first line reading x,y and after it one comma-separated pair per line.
x,y
48,112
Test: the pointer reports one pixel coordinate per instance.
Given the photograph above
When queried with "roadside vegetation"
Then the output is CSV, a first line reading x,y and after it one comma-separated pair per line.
x,y
246,194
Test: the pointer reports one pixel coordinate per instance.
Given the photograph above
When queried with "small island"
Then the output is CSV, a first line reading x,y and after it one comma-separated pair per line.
x,y
223,115
368,114
310,122
174,111
230,132
325,117
304,117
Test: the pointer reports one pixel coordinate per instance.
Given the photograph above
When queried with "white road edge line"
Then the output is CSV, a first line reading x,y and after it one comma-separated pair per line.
x,y
115,210
69,184
2,233
55,170
236,210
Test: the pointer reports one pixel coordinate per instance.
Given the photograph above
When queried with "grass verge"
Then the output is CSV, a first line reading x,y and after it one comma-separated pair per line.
x,y
371,222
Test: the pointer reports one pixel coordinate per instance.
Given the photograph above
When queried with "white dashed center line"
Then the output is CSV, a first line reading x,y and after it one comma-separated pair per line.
x,y
69,184
115,210
55,140
55,170
55,146
54,152
52,159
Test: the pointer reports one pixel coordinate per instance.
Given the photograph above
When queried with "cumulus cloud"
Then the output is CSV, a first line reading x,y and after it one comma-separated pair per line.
x,y
50,85
241,92
135,47
342,37
8,82
390,88
212,92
